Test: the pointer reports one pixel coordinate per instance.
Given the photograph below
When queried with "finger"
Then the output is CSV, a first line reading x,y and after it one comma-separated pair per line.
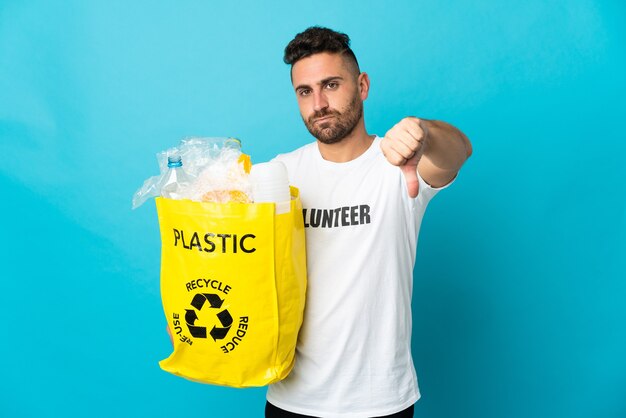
x,y
412,183
403,144
416,131
393,156
169,332
411,137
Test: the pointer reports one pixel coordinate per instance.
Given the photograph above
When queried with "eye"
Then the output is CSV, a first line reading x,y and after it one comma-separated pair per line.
x,y
332,85
304,92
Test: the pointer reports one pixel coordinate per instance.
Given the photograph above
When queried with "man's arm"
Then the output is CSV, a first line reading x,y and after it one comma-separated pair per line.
x,y
436,149
445,150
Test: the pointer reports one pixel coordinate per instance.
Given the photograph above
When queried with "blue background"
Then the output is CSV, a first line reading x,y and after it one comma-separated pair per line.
x,y
519,299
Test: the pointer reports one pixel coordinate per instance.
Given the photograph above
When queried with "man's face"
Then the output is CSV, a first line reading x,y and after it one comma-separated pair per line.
x,y
329,95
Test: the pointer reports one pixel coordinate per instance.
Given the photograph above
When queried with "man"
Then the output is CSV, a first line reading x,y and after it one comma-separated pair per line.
x,y
364,198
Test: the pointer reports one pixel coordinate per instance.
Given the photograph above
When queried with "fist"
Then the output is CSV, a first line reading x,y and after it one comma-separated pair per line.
x,y
403,146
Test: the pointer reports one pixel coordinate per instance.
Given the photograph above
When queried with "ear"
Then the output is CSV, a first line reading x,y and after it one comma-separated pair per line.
x,y
364,85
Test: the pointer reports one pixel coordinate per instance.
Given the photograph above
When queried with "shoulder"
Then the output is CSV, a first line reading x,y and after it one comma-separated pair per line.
x,y
297,158
295,154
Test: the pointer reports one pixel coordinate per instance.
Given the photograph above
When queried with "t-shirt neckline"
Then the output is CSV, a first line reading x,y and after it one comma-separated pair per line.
x,y
373,148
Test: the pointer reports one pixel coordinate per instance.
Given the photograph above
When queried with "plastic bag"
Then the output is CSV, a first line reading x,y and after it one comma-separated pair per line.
x,y
233,283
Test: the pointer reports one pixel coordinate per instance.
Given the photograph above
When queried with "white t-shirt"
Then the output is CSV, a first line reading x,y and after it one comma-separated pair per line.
x,y
353,357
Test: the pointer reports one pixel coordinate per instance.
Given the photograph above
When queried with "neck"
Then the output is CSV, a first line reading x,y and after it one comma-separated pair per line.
x,y
349,148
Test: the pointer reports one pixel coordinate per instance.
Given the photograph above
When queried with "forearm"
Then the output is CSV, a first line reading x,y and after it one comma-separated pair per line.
x,y
445,150
446,147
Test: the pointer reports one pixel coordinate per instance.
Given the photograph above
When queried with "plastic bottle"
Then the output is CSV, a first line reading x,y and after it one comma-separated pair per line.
x,y
232,143
175,179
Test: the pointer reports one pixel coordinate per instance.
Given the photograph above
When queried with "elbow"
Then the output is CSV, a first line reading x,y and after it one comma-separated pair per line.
x,y
468,145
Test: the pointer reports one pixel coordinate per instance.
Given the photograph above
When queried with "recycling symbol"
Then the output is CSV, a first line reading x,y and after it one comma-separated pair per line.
x,y
214,302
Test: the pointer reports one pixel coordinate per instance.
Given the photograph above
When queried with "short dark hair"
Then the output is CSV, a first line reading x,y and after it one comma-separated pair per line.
x,y
317,39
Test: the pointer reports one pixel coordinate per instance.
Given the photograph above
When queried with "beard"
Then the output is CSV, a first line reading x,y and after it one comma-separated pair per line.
x,y
339,125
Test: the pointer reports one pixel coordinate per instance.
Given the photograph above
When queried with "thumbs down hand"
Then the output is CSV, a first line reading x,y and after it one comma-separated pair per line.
x,y
403,146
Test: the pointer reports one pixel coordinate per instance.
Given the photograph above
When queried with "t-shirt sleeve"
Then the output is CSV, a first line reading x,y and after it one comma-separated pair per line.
x,y
427,192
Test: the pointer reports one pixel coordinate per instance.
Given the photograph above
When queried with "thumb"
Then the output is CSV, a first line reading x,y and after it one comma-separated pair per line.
x,y
410,174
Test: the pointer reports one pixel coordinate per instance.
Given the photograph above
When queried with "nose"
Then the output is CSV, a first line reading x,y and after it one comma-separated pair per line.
x,y
320,101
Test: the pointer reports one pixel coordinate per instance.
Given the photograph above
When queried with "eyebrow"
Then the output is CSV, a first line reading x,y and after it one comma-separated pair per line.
x,y
320,83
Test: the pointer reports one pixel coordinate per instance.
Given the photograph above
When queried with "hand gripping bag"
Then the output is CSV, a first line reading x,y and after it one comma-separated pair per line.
x,y
233,283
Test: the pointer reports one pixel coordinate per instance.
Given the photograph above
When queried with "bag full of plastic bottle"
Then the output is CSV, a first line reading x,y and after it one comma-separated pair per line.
x,y
233,271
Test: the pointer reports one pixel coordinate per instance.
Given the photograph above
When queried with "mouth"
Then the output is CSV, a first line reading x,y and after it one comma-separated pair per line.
x,y
322,119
